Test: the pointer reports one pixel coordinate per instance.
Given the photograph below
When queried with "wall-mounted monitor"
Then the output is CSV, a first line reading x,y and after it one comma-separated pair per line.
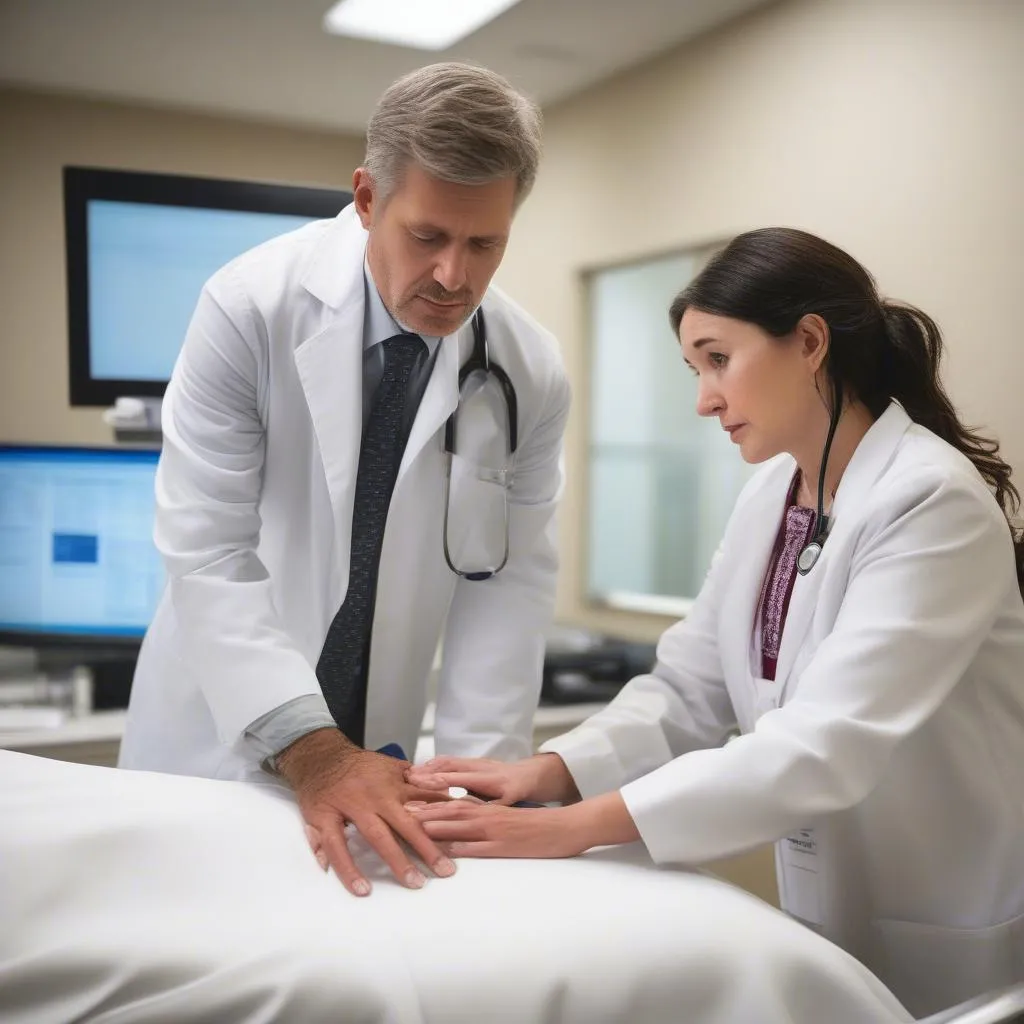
x,y
139,249
78,565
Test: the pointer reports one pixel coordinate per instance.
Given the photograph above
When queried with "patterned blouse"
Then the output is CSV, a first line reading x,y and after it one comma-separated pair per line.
x,y
795,532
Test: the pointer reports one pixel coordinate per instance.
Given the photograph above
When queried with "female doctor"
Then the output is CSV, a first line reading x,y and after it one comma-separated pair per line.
x,y
850,682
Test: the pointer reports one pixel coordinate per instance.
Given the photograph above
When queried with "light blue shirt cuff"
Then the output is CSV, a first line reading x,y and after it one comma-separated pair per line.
x,y
281,727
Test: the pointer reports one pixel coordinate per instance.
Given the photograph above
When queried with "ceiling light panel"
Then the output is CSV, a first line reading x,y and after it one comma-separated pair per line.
x,y
422,24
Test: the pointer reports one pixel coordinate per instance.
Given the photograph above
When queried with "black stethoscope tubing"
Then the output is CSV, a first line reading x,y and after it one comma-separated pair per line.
x,y
479,361
811,552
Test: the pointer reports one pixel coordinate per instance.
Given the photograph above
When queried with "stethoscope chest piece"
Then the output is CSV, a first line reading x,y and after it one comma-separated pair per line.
x,y
808,558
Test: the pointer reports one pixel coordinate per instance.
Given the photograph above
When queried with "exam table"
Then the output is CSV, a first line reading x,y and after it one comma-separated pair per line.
x,y
132,897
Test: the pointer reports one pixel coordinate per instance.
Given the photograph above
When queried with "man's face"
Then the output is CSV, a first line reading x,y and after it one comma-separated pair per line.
x,y
434,246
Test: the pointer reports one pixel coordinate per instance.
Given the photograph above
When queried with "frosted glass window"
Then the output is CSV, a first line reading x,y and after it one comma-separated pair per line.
x,y
662,480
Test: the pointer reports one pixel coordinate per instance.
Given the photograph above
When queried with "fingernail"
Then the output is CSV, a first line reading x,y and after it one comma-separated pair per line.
x,y
414,879
321,859
361,887
444,867
415,805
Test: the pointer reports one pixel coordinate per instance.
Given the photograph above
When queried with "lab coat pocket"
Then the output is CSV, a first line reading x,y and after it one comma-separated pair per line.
x,y
476,522
931,968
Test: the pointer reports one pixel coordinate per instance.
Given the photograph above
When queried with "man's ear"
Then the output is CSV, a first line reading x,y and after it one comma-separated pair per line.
x,y
364,196
813,337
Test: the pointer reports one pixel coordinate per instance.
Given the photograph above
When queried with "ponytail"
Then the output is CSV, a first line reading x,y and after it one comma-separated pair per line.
x,y
910,367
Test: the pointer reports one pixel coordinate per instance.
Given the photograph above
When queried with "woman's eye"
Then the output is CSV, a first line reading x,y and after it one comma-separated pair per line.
x,y
717,360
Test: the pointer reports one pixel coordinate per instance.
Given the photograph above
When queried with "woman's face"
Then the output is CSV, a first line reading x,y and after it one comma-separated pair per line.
x,y
760,387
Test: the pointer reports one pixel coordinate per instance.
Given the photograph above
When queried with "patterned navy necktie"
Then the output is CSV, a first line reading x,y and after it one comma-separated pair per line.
x,y
344,661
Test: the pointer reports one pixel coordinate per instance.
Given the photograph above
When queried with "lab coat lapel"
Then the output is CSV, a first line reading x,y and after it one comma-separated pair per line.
x,y
760,526
330,364
869,461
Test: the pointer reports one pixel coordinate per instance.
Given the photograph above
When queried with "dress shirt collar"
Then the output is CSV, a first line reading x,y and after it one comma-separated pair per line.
x,y
378,323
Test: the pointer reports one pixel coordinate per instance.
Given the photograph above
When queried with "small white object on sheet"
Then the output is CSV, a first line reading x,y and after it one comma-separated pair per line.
x,y
133,898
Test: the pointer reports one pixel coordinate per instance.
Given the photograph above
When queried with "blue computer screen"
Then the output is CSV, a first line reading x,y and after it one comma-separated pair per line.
x,y
147,266
76,542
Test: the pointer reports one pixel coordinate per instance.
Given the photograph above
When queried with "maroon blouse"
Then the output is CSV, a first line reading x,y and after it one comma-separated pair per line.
x,y
795,532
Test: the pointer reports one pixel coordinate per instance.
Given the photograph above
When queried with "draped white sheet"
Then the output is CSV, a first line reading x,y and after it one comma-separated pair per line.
x,y
129,897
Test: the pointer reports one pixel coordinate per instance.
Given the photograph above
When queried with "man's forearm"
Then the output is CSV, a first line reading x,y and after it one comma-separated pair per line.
x,y
320,753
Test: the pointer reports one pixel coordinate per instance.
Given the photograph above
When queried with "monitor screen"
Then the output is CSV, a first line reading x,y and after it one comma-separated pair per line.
x,y
147,265
139,249
77,558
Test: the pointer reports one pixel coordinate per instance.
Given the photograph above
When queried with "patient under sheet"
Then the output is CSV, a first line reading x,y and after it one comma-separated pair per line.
x,y
128,897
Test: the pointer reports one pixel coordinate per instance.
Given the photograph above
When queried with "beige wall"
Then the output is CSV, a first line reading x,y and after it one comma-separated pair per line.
x,y
892,127
40,134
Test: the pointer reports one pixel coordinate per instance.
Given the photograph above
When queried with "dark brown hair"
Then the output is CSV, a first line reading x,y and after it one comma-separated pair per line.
x,y
879,349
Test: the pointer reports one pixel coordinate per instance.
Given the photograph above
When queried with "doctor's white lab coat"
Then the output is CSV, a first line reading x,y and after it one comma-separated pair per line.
x,y
887,758
262,426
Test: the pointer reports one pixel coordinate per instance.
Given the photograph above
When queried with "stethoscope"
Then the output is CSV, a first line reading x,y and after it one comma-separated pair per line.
x,y
479,362
809,555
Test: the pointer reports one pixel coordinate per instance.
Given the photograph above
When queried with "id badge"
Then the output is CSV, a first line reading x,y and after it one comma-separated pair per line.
x,y
802,878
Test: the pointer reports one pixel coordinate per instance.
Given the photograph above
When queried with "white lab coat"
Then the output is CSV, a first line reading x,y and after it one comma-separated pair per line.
x,y
893,734
262,424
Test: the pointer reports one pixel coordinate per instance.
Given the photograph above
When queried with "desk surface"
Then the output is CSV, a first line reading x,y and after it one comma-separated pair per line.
x,y
108,726
99,727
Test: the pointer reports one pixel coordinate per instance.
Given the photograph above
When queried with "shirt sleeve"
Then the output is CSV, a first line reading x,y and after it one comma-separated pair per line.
x,y
280,728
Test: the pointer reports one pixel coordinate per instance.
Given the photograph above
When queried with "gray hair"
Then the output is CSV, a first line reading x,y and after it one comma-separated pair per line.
x,y
460,123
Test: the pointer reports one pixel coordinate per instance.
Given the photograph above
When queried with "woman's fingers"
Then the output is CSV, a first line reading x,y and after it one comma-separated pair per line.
x,y
451,810
456,831
429,774
481,849
447,763
494,831
426,793
486,783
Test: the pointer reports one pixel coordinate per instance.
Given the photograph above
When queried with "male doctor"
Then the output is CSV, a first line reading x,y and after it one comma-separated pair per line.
x,y
316,549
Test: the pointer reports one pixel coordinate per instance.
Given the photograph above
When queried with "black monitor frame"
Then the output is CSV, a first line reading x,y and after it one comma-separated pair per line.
x,y
72,642
82,184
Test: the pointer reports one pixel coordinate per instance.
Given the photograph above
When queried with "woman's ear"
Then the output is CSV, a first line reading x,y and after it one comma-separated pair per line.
x,y
813,337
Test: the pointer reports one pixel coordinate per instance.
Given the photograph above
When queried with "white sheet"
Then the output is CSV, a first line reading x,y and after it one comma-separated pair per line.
x,y
128,898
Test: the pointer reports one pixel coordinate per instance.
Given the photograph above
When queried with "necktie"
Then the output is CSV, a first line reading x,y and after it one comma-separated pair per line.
x,y
344,660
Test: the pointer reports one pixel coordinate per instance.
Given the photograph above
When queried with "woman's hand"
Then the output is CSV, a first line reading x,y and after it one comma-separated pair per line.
x,y
543,778
492,830
470,829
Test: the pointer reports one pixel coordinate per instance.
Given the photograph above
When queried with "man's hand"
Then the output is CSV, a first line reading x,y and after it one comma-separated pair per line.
x,y
335,782
543,778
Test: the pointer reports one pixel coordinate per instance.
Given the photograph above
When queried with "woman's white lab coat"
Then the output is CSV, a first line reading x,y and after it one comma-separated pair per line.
x,y
887,758
262,425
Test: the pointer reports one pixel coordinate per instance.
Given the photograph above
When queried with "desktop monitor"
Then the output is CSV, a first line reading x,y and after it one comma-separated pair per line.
x,y
78,566
139,248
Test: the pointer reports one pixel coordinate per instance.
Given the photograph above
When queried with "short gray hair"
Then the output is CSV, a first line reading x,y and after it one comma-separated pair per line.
x,y
460,123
